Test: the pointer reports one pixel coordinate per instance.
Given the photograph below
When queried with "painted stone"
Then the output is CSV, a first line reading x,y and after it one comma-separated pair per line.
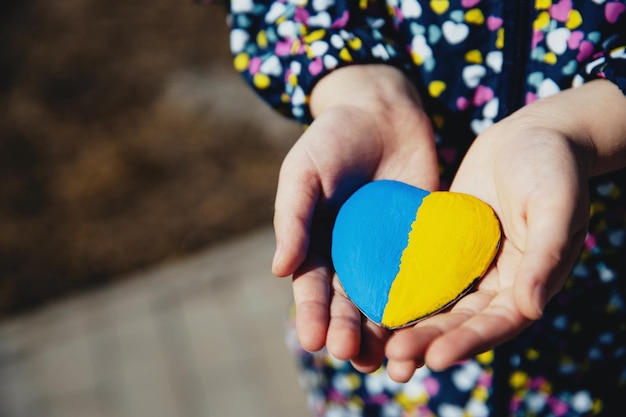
x,y
402,253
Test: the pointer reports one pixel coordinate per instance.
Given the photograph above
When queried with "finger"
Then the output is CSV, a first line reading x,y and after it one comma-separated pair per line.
x,y
412,342
475,324
402,371
372,349
344,330
471,333
296,198
311,291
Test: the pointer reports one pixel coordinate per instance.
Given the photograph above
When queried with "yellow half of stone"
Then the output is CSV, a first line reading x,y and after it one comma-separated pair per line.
x,y
452,243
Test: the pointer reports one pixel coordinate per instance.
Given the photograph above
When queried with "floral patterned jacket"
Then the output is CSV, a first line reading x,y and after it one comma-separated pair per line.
x,y
474,62
478,57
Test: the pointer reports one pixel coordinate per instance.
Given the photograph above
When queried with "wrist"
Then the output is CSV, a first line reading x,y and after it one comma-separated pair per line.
x,y
605,121
371,87
380,96
592,117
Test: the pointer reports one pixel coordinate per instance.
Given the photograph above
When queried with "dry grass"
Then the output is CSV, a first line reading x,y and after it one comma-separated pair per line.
x,y
126,139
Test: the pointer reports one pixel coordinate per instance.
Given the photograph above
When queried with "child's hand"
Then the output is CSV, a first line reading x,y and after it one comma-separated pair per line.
x,y
369,124
532,168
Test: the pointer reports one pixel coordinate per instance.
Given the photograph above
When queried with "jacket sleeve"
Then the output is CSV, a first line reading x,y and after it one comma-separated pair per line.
x,y
282,48
610,60
609,64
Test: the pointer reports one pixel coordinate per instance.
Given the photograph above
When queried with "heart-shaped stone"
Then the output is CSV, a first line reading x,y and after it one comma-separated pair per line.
x,y
402,253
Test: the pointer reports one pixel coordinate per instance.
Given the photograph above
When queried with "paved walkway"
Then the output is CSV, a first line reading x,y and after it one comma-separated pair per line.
x,y
201,337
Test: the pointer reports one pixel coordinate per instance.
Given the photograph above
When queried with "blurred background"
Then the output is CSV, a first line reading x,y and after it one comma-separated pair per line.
x,y
137,177
126,138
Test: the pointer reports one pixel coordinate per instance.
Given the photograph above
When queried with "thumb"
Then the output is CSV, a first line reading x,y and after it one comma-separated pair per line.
x,y
296,197
550,252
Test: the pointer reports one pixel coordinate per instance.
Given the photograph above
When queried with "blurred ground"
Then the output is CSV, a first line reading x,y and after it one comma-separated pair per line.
x,y
126,139
203,336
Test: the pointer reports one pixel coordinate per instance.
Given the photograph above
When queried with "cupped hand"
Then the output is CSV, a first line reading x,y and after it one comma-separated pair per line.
x,y
533,169
369,124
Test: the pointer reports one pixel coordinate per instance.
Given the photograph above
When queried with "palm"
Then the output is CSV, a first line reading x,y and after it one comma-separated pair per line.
x,y
328,163
540,200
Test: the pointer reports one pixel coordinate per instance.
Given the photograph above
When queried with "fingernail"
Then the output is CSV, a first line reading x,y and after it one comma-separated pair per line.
x,y
540,299
276,255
